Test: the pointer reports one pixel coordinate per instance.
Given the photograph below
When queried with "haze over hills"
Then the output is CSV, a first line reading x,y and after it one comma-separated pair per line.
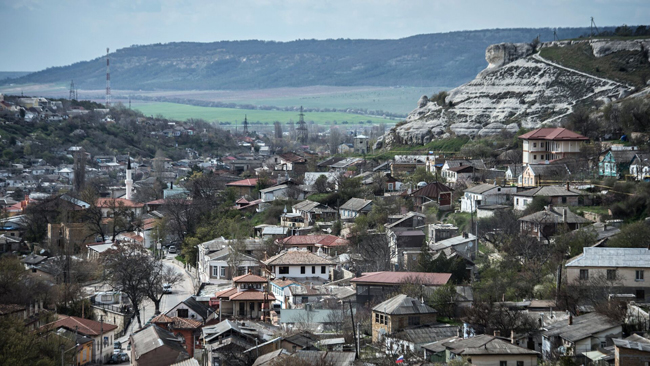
x,y
424,60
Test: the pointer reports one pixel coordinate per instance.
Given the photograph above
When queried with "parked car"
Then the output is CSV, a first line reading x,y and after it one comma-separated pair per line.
x,y
172,249
167,288
117,347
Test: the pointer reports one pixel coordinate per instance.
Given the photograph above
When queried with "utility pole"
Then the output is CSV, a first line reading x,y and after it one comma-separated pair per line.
x,y
108,81
101,341
354,333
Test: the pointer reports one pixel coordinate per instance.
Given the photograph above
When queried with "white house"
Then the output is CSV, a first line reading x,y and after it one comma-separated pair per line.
x,y
281,289
485,194
640,166
546,144
300,264
578,335
192,309
213,260
354,207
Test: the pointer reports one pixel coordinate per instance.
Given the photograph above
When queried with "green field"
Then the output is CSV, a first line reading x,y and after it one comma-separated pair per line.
x,y
183,111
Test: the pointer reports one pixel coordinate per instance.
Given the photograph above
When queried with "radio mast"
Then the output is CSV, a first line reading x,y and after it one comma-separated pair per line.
x,y
108,81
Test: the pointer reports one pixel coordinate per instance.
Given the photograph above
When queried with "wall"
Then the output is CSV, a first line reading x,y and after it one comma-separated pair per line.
x,y
495,360
110,317
294,272
631,357
626,276
396,323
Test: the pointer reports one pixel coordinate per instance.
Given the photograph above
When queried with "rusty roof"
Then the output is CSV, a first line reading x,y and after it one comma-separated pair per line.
x,y
431,279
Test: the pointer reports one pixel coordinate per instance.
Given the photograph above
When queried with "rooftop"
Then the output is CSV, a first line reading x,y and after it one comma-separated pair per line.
x,y
396,278
402,305
485,345
612,258
555,134
296,257
582,327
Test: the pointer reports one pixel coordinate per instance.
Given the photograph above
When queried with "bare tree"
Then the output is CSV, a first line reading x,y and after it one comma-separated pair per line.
x,y
158,275
373,252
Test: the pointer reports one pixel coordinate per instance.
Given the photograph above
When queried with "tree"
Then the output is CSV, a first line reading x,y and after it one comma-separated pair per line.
x,y
321,184
634,235
335,140
21,346
126,269
374,253
158,274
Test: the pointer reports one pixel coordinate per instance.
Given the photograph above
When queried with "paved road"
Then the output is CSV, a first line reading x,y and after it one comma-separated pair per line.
x,y
180,292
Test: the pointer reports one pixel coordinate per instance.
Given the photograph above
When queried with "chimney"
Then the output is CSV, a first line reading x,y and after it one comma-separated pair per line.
x,y
570,319
564,215
567,186
497,333
512,336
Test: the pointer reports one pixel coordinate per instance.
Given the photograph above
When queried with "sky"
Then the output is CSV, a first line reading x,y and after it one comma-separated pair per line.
x,y
43,33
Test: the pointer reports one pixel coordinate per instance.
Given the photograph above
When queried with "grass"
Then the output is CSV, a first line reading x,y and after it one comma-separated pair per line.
x,y
601,210
624,66
180,258
183,111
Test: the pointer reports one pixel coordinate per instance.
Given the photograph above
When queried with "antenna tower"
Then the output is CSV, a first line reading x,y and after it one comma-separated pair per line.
x,y
108,80
245,125
301,130
555,38
73,92
592,27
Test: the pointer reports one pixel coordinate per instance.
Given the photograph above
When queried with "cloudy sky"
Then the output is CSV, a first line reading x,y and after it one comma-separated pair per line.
x,y
43,33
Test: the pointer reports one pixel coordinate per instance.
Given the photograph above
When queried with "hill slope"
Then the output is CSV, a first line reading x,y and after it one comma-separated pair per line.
x,y
520,88
422,60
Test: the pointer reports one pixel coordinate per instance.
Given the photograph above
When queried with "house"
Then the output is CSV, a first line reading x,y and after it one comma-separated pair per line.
x,y
102,334
398,313
313,243
413,338
514,172
300,341
227,341
537,174
546,144
214,263
281,289
361,144
289,162
309,318
406,164
312,212
545,223
481,350
309,357
354,207
244,187
282,191
190,308
434,193
155,346
187,330
309,178
626,266
640,167
465,244
616,163
558,195
109,205
485,194
438,232
633,351
299,264
579,335
379,284
460,170
401,240
248,298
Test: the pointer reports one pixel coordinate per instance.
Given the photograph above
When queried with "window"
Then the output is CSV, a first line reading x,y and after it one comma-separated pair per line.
x,y
376,318
640,294
611,274
414,320
534,144
639,275
390,186
503,363
182,313
302,269
520,363
563,199
215,271
223,271
313,269
517,200
584,274
283,270
534,157
603,344
305,299
323,269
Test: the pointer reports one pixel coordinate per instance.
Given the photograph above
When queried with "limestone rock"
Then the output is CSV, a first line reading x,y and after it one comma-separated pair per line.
x,y
423,101
501,54
603,47
496,128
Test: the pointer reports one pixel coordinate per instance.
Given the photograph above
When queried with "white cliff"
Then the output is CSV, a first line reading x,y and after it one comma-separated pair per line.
x,y
517,89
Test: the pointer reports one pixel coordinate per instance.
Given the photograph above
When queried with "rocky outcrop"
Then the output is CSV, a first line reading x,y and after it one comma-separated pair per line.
x,y
517,89
605,47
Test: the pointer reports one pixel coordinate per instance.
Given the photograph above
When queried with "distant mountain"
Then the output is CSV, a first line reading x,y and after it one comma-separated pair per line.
x,y
12,74
440,59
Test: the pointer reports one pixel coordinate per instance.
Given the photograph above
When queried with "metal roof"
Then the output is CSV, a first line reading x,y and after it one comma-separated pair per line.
x,y
612,257
402,304
582,327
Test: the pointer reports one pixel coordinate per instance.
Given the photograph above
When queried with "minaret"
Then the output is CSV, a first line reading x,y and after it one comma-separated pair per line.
x,y
129,180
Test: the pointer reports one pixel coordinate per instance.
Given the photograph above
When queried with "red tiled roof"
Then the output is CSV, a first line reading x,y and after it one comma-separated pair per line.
x,y
400,277
249,182
557,133
324,240
162,318
249,278
157,202
116,202
225,293
251,295
86,327
242,200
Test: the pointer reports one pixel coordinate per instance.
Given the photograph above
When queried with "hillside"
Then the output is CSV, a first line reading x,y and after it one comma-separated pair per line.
x,y
423,60
522,89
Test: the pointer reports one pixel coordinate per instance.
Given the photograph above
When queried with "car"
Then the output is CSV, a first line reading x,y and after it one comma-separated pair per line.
x,y
117,347
167,288
172,249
